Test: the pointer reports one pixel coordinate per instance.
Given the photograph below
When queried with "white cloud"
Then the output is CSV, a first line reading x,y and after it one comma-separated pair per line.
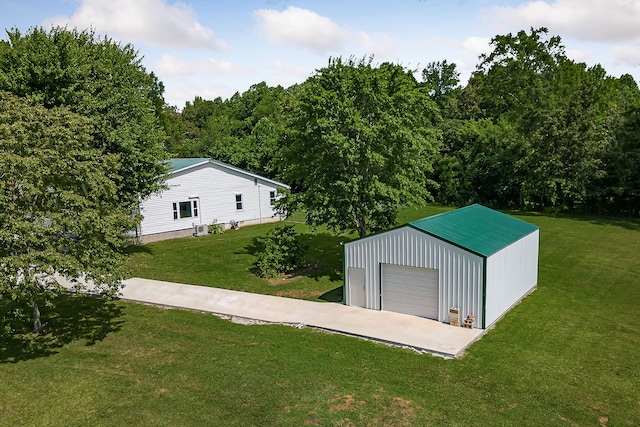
x,y
381,45
175,66
301,28
626,55
187,90
150,21
590,20
580,55
291,70
476,45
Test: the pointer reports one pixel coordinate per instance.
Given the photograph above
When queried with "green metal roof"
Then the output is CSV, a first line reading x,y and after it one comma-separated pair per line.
x,y
177,164
476,228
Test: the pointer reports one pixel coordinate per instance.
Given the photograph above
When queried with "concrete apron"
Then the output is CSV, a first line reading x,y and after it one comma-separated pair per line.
x,y
384,326
394,328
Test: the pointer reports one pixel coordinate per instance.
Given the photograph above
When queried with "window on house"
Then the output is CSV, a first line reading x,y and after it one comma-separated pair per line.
x,y
238,202
185,209
272,197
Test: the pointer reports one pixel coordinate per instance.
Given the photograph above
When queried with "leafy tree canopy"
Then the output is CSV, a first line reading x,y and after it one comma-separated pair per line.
x,y
60,211
101,80
362,140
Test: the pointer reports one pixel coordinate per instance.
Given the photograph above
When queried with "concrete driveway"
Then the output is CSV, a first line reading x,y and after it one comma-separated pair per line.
x,y
383,326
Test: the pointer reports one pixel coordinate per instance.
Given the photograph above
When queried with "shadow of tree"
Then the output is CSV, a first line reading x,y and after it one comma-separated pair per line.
x,y
334,295
322,250
253,248
628,223
137,249
69,317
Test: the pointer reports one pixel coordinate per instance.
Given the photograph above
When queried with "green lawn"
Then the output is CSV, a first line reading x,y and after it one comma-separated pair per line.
x,y
567,355
226,260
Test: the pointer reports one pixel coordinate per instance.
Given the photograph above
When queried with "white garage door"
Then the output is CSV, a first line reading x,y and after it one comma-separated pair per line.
x,y
410,290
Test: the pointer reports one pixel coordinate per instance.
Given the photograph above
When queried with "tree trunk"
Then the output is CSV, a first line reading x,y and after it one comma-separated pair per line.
x,y
37,324
362,226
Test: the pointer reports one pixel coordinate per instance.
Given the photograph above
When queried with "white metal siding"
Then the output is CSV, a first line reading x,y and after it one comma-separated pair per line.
x,y
216,189
511,274
460,272
355,276
410,290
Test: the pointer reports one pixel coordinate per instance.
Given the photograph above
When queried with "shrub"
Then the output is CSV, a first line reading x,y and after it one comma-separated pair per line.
x,y
281,252
215,228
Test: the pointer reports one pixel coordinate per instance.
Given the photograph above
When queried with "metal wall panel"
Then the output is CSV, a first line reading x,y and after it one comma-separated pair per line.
x,y
511,274
460,272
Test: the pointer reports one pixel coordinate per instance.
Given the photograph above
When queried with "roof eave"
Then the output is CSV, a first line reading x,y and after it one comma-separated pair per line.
x,y
233,168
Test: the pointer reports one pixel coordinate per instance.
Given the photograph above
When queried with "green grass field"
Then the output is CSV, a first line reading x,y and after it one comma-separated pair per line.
x,y
567,355
226,261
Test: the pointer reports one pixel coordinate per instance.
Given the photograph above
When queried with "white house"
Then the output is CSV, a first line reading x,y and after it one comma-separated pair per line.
x,y
474,259
203,191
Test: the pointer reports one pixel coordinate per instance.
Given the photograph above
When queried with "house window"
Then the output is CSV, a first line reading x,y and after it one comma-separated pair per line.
x,y
185,209
272,197
238,202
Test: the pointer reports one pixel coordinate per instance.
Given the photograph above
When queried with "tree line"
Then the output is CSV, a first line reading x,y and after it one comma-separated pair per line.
x,y
532,129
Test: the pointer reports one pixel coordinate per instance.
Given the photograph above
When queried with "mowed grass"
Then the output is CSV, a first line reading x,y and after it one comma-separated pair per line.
x,y
567,355
227,260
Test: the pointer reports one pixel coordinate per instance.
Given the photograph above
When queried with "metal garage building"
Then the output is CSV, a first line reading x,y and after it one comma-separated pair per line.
x,y
474,258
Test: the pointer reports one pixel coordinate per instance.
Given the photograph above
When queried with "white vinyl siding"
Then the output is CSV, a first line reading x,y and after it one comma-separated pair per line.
x,y
216,188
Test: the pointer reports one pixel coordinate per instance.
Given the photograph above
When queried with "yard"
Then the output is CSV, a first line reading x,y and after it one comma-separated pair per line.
x,y
567,355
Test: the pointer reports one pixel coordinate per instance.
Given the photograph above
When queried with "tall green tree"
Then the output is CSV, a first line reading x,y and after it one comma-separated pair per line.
x,y
60,208
246,130
442,80
618,191
362,143
100,79
556,107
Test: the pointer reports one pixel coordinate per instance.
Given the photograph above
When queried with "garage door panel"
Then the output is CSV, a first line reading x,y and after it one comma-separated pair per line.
x,y
410,290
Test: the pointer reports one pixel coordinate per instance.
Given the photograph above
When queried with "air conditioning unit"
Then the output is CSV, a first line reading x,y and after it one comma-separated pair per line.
x,y
201,230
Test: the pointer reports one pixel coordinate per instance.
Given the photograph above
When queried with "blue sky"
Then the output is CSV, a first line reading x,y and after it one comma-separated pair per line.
x,y
216,48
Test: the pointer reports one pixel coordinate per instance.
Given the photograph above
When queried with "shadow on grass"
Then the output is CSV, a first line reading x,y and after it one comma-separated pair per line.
x,y
632,224
138,249
69,318
322,250
334,295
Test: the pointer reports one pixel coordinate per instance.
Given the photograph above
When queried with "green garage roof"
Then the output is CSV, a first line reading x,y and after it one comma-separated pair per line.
x,y
476,228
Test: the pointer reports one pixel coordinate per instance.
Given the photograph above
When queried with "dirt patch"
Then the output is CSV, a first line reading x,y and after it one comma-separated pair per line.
x,y
285,278
345,403
402,405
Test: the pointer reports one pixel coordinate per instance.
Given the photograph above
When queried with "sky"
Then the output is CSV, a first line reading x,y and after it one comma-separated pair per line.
x,y
214,48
